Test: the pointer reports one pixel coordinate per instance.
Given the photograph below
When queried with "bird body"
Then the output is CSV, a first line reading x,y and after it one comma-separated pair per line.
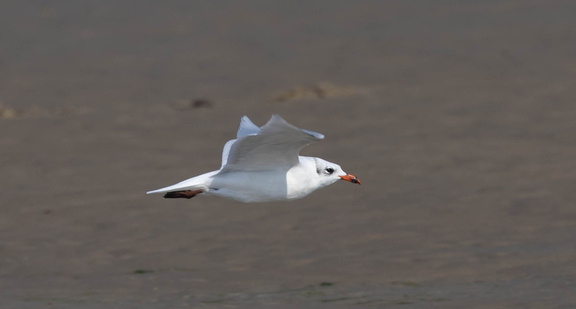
x,y
263,164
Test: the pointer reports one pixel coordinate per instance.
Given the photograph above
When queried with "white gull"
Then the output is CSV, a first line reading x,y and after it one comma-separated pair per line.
x,y
263,164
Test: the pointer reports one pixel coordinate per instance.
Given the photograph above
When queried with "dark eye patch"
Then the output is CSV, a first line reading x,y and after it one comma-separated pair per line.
x,y
329,170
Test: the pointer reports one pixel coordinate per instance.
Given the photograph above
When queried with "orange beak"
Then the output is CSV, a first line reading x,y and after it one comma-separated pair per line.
x,y
350,178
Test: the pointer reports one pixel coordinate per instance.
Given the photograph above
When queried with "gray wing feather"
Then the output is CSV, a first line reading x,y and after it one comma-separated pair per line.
x,y
276,145
247,127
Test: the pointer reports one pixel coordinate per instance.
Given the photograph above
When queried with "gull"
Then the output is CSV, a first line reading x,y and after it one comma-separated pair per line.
x,y
262,165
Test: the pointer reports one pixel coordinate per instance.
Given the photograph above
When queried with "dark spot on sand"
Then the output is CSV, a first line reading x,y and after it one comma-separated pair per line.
x,y
201,103
143,271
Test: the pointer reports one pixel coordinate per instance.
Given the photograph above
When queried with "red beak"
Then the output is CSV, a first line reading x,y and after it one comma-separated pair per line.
x,y
351,178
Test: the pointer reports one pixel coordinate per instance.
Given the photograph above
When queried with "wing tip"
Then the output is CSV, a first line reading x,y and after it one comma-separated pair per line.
x,y
247,127
316,135
278,118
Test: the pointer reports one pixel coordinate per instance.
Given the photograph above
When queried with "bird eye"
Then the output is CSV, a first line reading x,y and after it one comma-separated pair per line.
x,y
329,170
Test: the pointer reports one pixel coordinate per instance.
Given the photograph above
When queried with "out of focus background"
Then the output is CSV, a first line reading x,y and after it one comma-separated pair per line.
x,y
459,117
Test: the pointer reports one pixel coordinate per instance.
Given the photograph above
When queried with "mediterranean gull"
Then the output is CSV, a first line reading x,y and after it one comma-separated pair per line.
x,y
263,164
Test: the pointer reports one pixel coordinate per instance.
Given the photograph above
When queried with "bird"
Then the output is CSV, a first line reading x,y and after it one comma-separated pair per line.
x,y
263,165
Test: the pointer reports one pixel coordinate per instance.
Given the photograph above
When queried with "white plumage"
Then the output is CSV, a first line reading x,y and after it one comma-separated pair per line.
x,y
263,164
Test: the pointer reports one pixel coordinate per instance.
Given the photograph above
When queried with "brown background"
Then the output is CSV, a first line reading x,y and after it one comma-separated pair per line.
x,y
458,116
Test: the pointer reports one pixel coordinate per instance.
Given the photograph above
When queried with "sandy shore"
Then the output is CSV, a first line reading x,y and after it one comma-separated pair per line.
x,y
459,118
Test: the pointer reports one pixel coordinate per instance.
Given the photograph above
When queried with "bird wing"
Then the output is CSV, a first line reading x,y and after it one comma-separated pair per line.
x,y
247,127
275,145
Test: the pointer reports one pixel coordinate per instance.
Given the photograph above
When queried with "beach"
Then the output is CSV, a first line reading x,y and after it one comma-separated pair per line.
x,y
458,118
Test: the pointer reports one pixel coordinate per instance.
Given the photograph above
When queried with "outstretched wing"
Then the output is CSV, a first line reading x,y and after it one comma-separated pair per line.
x,y
247,127
275,145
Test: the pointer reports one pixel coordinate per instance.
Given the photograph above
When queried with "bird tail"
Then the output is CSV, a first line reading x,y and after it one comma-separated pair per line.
x,y
198,183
